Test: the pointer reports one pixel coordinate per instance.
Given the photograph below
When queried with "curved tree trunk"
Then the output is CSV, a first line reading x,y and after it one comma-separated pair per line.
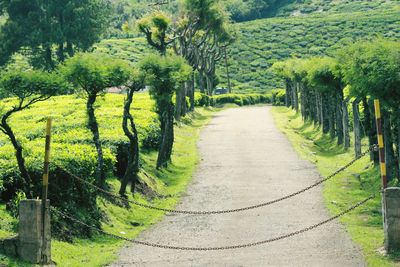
x,y
94,128
356,126
132,170
18,154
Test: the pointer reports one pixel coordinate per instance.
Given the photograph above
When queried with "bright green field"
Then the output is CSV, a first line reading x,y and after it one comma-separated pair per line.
x,y
168,184
364,224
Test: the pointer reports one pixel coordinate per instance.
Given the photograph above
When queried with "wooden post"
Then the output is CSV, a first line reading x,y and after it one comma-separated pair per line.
x,y
45,186
381,144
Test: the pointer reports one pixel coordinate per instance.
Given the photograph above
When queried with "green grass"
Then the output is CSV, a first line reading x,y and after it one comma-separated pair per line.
x,y
168,184
364,225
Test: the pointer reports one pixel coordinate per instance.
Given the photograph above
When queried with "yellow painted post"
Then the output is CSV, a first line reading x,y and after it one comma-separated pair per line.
x,y
381,144
45,187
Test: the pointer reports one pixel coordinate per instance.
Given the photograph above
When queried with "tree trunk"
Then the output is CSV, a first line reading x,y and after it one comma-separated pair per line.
x,y
201,82
209,84
180,102
287,89
167,137
387,136
192,93
346,131
18,154
339,118
295,97
398,146
49,59
370,128
326,114
356,126
132,170
94,128
331,117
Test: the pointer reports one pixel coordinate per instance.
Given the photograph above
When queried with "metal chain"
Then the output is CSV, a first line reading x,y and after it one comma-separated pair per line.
x,y
215,212
253,244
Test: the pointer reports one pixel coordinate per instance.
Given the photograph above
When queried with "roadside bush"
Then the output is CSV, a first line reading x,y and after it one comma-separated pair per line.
x,y
278,97
238,99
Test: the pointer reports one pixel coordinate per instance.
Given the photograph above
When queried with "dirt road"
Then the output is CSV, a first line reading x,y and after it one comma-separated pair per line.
x,y
246,160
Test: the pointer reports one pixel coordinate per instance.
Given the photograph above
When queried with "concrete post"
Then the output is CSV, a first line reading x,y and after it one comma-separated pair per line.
x,y
30,232
391,219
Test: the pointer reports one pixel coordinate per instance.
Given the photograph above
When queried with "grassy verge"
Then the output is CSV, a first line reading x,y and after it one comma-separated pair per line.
x,y
364,225
170,183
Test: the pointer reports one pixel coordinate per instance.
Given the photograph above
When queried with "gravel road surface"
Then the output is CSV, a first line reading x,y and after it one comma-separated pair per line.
x,y
246,160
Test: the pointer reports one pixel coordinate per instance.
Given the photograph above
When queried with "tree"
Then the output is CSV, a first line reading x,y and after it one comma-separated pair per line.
x,y
92,74
165,76
372,69
25,89
156,27
51,29
135,83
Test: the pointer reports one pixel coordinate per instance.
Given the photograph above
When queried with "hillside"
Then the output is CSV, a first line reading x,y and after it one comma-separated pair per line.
x,y
260,43
263,42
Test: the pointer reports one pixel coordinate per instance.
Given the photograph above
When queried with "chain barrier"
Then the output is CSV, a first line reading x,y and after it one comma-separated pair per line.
x,y
215,212
247,245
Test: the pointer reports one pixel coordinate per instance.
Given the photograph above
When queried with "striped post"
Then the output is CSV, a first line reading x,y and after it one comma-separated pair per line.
x,y
381,144
45,185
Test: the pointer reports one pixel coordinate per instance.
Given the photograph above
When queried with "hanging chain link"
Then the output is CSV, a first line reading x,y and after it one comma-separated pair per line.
x,y
215,212
248,245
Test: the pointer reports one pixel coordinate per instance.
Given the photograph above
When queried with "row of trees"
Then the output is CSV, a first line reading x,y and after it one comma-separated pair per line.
x,y
93,74
200,35
49,32
326,90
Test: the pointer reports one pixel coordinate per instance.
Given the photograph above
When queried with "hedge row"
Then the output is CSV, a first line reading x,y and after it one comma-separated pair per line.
x,y
276,97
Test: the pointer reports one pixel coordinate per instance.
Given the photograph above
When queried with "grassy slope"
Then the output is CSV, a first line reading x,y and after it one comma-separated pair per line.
x,y
333,6
365,223
260,43
169,183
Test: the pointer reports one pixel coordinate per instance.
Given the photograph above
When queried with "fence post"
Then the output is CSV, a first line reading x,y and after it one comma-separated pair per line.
x,y
390,196
381,144
45,257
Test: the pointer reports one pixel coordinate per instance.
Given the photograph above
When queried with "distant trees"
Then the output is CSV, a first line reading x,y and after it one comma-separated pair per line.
x,y
322,89
25,89
51,30
93,74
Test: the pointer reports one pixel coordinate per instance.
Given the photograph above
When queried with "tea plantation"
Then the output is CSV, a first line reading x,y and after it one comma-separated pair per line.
x,y
260,43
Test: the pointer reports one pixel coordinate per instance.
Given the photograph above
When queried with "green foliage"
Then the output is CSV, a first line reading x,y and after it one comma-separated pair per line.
x,y
372,69
278,97
164,74
238,99
93,74
30,84
72,150
51,29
